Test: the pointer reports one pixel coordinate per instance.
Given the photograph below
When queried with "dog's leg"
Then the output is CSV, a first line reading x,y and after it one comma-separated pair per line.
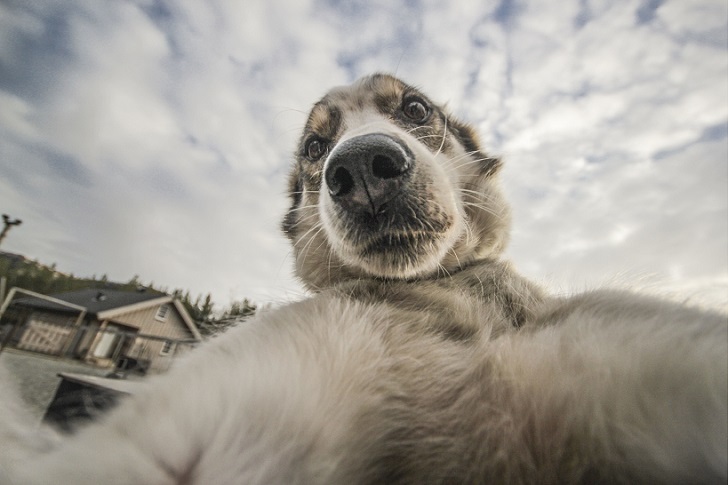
x,y
267,402
635,389
20,436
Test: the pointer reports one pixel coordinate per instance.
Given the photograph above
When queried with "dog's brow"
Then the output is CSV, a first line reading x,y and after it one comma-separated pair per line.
x,y
388,92
324,120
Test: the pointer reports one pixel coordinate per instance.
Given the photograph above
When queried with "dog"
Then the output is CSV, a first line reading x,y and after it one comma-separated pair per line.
x,y
422,356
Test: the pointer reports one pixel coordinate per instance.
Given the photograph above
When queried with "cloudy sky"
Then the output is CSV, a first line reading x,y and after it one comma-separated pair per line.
x,y
153,137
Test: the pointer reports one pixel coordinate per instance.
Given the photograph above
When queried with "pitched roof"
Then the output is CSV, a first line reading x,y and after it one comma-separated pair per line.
x,y
95,300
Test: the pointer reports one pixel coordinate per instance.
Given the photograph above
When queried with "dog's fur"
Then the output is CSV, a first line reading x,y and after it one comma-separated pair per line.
x,y
422,358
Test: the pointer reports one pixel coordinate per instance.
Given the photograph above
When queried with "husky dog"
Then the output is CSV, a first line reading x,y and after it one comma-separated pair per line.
x,y
422,357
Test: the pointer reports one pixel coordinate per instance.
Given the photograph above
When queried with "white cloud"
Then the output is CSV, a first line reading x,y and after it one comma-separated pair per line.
x,y
153,137
14,116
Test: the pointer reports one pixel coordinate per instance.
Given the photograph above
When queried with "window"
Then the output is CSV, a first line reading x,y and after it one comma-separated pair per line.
x,y
167,348
162,312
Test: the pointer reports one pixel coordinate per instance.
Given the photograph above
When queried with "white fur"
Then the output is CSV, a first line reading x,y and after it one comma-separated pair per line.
x,y
273,400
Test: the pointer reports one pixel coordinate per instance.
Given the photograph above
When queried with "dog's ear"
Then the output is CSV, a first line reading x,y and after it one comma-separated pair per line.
x,y
468,138
295,189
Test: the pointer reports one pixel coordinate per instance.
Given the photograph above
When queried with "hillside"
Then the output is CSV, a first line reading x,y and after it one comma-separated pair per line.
x,y
18,270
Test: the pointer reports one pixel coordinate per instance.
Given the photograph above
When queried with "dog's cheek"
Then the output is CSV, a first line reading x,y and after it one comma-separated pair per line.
x,y
295,191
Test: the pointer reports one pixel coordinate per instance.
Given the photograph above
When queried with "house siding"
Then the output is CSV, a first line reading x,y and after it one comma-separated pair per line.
x,y
173,327
143,338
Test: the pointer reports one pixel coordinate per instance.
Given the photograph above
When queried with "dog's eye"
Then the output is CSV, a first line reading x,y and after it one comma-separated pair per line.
x,y
416,110
315,148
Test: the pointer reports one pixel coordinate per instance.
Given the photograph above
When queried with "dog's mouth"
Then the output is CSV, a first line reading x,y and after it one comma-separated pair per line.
x,y
408,241
396,243
398,253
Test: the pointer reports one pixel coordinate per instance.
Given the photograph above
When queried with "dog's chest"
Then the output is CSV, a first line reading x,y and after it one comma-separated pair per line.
x,y
486,297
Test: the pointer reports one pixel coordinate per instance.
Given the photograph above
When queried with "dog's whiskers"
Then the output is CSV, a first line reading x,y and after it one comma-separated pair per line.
x,y
444,136
476,194
469,235
308,217
472,161
484,208
455,164
412,130
307,247
424,137
303,192
440,267
455,254
316,227
450,161
304,207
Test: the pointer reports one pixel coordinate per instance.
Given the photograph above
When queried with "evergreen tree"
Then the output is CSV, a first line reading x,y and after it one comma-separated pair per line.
x,y
206,309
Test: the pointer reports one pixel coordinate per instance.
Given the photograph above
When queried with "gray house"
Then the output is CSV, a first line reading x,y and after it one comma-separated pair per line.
x,y
105,327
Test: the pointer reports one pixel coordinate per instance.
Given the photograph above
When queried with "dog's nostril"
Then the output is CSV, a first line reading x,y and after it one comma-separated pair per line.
x,y
384,167
341,183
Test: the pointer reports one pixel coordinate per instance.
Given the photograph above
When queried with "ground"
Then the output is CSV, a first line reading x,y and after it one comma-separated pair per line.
x,y
37,376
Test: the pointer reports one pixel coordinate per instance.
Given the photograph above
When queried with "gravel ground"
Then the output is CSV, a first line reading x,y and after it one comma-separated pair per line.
x,y
37,376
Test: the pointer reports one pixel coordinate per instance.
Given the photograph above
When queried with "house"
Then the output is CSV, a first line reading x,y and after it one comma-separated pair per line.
x,y
105,327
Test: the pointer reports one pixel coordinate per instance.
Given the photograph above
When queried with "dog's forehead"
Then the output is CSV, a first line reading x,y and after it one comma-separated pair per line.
x,y
375,90
379,92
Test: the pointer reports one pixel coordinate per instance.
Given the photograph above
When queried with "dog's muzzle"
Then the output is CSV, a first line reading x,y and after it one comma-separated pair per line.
x,y
364,173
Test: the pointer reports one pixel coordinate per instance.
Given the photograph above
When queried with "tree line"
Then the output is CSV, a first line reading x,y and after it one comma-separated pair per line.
x,y
31,275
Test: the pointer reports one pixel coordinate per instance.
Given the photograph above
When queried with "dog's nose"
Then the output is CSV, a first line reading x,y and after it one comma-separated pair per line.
x,y
367,171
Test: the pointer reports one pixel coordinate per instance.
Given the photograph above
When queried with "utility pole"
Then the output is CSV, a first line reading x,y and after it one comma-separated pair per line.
x,y
7,224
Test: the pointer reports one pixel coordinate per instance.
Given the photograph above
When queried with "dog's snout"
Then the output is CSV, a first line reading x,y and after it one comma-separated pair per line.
x,y
367,171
